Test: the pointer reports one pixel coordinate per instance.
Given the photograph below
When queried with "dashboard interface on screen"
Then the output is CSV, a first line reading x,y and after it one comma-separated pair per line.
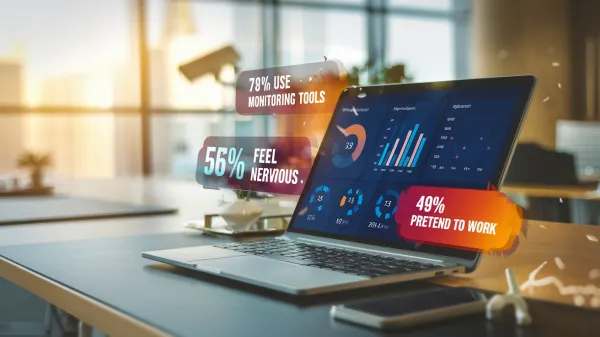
x,y
381,144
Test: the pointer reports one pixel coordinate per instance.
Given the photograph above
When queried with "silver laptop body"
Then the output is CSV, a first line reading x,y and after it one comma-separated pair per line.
x,y
302,279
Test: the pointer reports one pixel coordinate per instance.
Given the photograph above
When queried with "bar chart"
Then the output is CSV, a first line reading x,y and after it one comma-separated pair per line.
x,y
404,147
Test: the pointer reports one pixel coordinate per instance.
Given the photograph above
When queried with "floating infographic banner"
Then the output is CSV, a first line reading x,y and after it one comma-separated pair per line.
x,y
463,218
300,89
265,164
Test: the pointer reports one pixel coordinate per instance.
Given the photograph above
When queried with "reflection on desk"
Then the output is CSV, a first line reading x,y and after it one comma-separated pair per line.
x,y
557,262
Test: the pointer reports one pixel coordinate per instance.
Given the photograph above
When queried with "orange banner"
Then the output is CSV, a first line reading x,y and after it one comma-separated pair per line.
x,y
469,219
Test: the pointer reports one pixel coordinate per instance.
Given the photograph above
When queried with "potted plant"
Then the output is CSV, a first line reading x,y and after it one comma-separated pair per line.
x,y
242,213
395,73
37,164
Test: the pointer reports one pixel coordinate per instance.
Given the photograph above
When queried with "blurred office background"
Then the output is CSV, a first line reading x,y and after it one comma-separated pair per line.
x,y
97,85
70,71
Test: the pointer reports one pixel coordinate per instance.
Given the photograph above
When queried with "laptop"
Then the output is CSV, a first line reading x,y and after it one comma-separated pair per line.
x,y
381,140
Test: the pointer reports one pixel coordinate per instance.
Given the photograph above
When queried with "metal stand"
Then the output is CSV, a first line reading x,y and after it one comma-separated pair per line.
x,y
85,330
513,296
48,322
66,324
265,225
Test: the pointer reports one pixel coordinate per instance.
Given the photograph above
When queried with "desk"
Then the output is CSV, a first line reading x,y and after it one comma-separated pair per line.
x,y
581,204
152,296
191,200
567,192
575,248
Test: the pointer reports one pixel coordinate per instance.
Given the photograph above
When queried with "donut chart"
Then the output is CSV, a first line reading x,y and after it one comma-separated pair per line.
x,y
387,204
340,158
319,197
352,200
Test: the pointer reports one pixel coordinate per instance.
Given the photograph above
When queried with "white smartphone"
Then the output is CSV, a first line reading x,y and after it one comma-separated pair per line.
x,y
412,309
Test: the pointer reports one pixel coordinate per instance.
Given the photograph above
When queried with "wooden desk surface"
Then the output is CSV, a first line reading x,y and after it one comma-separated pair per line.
x,y
568,255
567,192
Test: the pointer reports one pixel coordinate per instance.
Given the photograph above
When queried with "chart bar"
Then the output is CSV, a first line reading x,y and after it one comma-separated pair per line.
x,y
392,153
419,152
383,154
405,162
394,160
414,154
412,136
403,148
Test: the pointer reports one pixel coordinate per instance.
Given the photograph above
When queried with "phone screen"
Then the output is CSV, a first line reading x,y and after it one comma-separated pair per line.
x,y
418,302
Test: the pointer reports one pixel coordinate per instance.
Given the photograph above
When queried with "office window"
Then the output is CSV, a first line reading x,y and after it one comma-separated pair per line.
x,y
424,45
191,109
183,31
422,4
70,51
327,2
66,60
307,35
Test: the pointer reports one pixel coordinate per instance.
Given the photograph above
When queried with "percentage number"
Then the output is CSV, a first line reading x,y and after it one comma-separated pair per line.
x,y
428,203
218,158
260,84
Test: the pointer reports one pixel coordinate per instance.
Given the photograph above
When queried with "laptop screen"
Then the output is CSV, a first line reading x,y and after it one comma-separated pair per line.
x,y
384,139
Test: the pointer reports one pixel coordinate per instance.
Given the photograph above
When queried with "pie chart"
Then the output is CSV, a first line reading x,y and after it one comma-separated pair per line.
x,y
347,152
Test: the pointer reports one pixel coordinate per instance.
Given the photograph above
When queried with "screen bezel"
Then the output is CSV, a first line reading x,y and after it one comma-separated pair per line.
x,y
526,81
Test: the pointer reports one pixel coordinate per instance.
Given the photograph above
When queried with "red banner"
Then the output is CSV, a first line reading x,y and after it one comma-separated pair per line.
x,y
471,219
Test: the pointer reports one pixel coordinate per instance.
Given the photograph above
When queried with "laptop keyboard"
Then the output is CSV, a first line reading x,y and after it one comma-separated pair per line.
x,y
341,260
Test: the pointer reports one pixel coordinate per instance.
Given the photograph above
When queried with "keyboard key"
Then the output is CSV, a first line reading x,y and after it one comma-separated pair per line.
x,y
329,258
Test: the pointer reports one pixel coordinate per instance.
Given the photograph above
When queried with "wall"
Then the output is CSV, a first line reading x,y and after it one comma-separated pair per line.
x,y
585,21
513,37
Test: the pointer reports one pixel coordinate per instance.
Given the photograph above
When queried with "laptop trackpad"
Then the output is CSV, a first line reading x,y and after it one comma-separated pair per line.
x,y
188,254
262,271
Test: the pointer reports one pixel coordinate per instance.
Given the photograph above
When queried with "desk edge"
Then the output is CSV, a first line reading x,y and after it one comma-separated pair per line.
x,y
100,316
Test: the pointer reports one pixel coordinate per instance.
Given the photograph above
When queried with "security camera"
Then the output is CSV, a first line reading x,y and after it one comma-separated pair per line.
x,y
211,63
